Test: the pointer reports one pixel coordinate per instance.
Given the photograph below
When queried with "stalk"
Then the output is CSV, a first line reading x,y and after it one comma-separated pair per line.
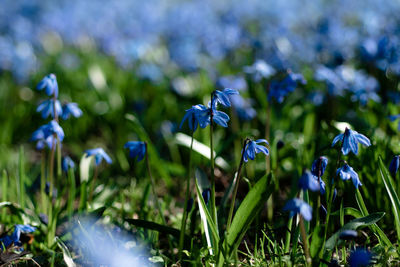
x,y
96,171
212,200
43,181
319,193
21,178
305,240
72,192
237,181
185,212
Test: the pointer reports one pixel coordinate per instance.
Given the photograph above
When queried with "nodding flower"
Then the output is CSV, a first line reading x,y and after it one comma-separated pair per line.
x,y
346,172
319,165
99,154
48,108
136,149
350,140
394,165
297,205
71,109
253,147
49,84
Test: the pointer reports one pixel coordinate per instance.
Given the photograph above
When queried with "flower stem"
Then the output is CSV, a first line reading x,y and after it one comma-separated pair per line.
x,y
305,240
236,181
43,181
93,184
212,200
185,210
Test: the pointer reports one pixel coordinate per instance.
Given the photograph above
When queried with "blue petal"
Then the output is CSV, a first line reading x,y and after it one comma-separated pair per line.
x,y
339,137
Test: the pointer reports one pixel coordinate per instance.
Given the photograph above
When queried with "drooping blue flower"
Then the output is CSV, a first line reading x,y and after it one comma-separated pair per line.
x,y
297,205
348,234
49,84
346,172
279,89
394,165
252,148
45,135
206,195
71,109
222,97
67,163
319,165
350,140
47,108
136,149
196,115
8,240
259,70
360,257
309,182
99,154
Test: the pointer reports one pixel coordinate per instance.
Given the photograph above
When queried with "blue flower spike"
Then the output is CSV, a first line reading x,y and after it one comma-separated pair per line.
x,y
319,165
297,205
71,109
253,147
136,149
360,257
346,173
350,140
309,182
394,165
196,115
49,84
45,135
99,154
47,108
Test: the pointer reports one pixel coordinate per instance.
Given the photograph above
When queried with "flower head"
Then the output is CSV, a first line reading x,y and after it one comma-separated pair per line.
x,y
15,236
196,115
253,147
49,84
222,97
47,108
45,135
360,257
319,165
346,172
350,140
309,182
99,154
394,165
297,205
136,149
67,163
71,109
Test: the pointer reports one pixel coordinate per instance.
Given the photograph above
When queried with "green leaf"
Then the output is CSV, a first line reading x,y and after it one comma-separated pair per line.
x,y
354,225
66,254
349,211
154,226
247,211
317,242
387,180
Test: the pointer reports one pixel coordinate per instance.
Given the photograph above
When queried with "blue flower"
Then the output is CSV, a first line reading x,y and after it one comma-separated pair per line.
x,y
196,115
243,107
45,135
322,188
67,164
136,148
206,195
279,90
71,109
223,97
47,108
350,140
360,257
259,70
348,234
99,154
309,182
49,83
346,172
252,148
395,117
297,205
394,165
319,165
15,236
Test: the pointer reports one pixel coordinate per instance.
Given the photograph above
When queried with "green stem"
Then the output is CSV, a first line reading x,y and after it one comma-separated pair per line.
x,y
288,235
93,184
236,181
72,192
43,181
51,170
186,211
21,178
305,240
212,200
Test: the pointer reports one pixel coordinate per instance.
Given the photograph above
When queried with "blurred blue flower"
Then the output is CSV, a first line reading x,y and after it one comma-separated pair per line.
x,y
223,97
45,135
252,148
350,140
49,84
231,81
346,172
206,195
348,234
99,154
47,108
394,165
319,165
259,70
136,149
279,89
196,115
67,163
297,205
322,189
360,257
71,109
309,182
8,240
